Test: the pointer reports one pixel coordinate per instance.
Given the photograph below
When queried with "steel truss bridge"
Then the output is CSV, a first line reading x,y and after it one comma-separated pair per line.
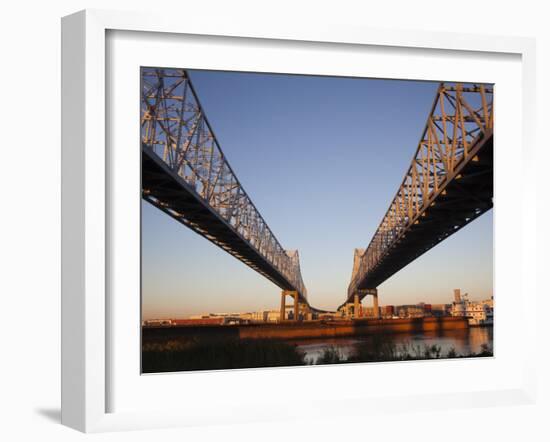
x,y
186,175
448,185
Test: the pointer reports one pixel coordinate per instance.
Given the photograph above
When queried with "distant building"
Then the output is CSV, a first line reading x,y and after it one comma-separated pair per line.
x,y
241,317
157,323
260,316
273,316
198,321
441,309
387,311
328,316
245,316
410,311
457,295
368,312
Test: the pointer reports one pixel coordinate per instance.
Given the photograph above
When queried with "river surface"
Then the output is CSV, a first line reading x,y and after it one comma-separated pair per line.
x,y
464,342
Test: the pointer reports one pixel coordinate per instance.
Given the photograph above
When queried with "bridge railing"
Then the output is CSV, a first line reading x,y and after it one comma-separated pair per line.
x,y
175,128
460,117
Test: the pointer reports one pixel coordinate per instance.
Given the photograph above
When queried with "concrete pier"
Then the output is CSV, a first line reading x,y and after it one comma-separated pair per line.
x,y
282,312
375,308
296,307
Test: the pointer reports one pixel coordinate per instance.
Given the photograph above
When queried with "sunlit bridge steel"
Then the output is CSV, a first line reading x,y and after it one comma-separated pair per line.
x,y
448,185
186,175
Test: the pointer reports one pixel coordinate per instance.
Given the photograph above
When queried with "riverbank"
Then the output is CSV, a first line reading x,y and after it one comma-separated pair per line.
x,y
185,355
461,341
306,329
169,349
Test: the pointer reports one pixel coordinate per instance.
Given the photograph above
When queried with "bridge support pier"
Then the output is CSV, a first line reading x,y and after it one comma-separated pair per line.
x,y
375,308
282,313
345,311
352,309
362,293
296,305
305,312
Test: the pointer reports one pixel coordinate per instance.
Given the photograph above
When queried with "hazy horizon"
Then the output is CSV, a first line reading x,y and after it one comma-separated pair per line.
x,y
321,158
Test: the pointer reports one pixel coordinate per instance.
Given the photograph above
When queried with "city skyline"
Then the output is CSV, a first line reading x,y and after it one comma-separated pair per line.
x,y
320,158
364,307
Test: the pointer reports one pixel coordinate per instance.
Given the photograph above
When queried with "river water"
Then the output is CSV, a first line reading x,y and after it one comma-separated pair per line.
x,y
463,342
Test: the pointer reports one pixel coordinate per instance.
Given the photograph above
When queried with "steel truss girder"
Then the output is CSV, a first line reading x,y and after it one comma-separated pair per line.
x,y
186,175
448,184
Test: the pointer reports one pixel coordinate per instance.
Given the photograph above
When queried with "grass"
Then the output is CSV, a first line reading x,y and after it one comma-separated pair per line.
x,y
176,355
219,355
380,350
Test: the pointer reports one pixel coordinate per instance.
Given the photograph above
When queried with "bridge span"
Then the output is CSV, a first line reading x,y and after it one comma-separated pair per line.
x,y
186,175
448,184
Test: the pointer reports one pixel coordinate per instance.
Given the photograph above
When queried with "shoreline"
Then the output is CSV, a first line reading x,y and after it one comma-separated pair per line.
x,y
305,329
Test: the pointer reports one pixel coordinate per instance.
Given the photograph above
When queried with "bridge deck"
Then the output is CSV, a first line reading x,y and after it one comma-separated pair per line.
x,y
186,174
170,193
459,202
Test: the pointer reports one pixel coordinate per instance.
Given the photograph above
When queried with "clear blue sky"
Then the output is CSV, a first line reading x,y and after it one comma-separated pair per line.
x,y
321,157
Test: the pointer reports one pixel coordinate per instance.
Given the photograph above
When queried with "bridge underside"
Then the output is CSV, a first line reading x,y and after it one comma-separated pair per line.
x,y
467,194
170,193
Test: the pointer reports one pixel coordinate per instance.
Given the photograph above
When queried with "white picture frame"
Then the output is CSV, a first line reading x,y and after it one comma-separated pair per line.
x,y
86,316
